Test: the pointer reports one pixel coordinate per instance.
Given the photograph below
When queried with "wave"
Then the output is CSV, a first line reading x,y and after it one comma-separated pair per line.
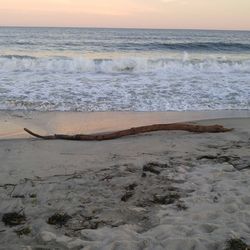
x,y
20,43
17,57
203,46
24,63
139,45
138,84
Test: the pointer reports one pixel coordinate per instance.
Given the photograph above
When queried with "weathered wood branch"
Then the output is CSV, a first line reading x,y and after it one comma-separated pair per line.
x,y
134,131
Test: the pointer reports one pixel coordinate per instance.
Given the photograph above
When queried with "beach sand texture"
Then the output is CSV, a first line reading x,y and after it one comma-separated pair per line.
x,y
163,190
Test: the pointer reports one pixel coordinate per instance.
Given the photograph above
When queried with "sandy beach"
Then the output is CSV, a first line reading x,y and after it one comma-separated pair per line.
x,y
163,190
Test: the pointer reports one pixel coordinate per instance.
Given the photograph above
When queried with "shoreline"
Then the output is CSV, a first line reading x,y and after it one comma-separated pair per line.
x,y
13,122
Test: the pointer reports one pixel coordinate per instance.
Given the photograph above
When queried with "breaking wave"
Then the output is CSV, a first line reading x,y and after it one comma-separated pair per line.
x,y
138,84
16,63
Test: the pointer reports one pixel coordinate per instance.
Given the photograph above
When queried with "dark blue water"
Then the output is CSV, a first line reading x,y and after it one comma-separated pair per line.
x,y
110,40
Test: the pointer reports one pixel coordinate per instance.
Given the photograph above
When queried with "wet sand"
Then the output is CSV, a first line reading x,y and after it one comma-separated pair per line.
x,y
13,122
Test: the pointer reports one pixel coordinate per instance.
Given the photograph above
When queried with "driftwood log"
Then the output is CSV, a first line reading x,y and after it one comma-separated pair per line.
x,y
134,131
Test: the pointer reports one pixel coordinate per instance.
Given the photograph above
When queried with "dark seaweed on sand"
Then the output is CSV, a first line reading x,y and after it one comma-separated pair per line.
x,y
154,167
58,219
23,231
13,219
166,199
236,244
127,195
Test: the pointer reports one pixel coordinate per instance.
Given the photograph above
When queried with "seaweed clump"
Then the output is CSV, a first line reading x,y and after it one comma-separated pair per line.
x,y
13,219
154,167
23,231
58,219
126,196
166,199
236,244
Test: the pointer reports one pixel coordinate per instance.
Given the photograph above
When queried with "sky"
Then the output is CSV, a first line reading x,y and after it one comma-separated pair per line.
x,y
173,14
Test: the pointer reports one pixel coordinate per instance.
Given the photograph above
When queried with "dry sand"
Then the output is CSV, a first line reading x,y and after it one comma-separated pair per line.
x,y
163,190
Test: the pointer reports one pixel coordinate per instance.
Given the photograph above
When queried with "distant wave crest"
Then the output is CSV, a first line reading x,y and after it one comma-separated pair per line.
x,y
16,57
139,45
206,46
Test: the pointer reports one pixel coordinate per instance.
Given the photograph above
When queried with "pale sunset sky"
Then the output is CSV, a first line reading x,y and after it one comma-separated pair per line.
x,y
175,14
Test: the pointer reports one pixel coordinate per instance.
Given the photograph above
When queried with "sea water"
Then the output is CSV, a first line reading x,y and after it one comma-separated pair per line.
x,y
82,69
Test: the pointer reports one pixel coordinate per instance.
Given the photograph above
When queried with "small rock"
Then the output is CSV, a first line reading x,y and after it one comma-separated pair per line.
x,y
228,168
47,236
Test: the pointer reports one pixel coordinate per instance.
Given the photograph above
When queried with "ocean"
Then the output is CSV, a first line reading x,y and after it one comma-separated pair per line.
x,y
91,69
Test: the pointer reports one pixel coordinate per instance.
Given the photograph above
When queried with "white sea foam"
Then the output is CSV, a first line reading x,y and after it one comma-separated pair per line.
x,y
132,83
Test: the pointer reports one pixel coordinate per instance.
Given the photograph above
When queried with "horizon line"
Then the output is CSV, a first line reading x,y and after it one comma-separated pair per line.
x,y
135,28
